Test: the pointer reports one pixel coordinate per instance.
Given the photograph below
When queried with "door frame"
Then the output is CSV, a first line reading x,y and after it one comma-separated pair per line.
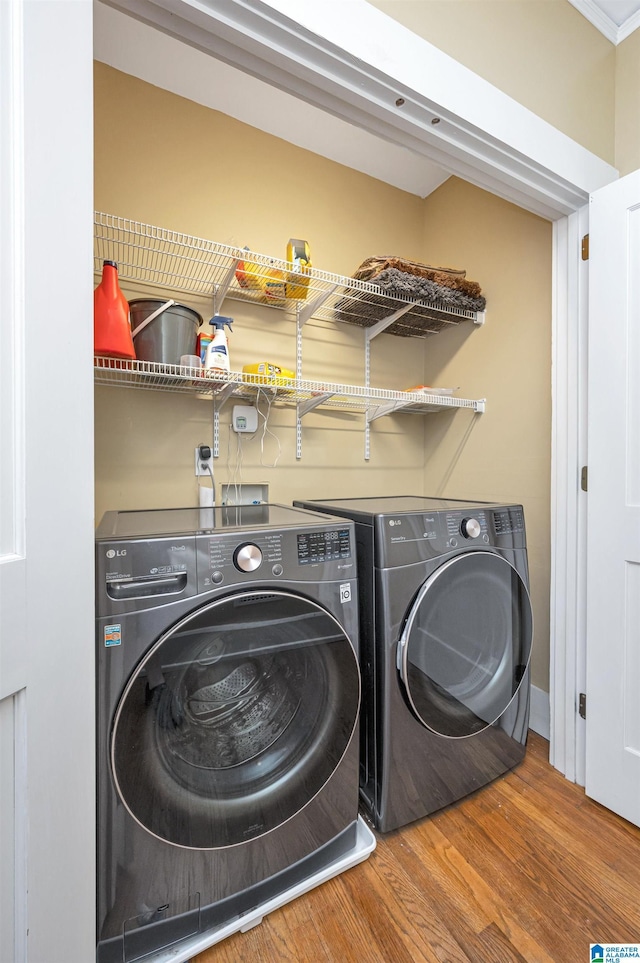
x,y
47,746
338,64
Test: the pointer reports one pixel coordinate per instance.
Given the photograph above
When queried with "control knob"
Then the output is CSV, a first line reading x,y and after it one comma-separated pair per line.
x,y
247,557
470,527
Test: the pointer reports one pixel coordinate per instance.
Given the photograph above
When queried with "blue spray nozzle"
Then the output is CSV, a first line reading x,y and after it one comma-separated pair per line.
x,y
219,322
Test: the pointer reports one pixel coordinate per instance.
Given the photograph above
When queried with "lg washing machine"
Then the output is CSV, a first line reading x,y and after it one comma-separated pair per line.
x,y
446,634
228,693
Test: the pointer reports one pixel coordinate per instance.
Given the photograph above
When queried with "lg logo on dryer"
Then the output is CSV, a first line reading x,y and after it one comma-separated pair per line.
x,y
395,521
113,553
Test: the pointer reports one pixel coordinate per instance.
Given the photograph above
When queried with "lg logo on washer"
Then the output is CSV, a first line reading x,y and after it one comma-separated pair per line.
x,y
395,521
112,553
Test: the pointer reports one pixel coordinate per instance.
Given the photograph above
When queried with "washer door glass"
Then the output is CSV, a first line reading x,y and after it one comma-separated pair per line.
x,y
235,719
466,644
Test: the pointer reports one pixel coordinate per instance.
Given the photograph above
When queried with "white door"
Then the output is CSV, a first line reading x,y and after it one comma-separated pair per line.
x,y
613,578
47,821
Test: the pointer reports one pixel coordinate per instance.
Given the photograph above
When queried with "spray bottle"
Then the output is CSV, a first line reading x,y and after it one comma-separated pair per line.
x,y
217,353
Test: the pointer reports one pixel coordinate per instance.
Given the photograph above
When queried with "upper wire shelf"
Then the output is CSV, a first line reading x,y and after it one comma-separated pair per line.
x,y
157,258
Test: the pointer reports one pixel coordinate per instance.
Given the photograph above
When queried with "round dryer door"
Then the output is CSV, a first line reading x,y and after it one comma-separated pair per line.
x,y
466,644
235,719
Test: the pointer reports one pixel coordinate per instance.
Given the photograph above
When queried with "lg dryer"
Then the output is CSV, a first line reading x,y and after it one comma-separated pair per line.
x,y
446,633
228,693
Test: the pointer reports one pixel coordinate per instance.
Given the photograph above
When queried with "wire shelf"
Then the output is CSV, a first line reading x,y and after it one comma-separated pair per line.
x,y
223,384
237,384
156,258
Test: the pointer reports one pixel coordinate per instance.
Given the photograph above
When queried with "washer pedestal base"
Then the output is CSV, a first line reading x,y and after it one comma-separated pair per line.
x,y
185,950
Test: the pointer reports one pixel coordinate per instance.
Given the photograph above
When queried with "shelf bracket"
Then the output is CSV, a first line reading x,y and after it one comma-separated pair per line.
x,y
382,325
220,289
304,407
307,310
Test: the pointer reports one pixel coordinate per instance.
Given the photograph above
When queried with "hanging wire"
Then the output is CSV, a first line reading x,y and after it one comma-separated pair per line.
x,y
265,428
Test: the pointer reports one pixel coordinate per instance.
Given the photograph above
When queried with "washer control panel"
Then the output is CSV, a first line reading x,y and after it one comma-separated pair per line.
x,y
225,559
200,550
324,546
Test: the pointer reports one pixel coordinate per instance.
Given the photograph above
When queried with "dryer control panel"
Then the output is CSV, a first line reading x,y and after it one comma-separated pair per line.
x,y
412,537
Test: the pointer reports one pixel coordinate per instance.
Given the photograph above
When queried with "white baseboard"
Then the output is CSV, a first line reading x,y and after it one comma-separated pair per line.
x,y
539,715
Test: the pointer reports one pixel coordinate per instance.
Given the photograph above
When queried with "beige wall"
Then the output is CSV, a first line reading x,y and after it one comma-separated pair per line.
x,y
628,104
503,455
543,53
167,161
173,163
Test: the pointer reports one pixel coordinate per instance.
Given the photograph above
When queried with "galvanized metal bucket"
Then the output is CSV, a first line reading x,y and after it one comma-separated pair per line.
x,y
163,331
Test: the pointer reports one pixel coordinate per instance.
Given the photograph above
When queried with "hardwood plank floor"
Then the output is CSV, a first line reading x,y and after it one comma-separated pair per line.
x,y
527,869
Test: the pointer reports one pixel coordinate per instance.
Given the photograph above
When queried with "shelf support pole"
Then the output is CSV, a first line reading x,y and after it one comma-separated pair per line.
x,y
299,324
367,384
369,334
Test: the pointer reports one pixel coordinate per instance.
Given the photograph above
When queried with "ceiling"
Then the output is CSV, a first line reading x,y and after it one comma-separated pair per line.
x,y
135,48
616,19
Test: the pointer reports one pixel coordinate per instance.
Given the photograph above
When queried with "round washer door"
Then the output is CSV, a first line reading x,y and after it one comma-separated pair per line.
x,y
466,644
235,719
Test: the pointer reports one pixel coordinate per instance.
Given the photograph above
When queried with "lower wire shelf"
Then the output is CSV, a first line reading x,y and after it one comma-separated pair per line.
x,y
306,395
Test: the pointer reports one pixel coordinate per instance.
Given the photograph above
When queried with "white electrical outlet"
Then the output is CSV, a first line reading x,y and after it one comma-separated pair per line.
x,y
244,418
202,465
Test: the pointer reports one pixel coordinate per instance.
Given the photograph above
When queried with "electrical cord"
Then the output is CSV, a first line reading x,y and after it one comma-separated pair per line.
x,y
234,473
213,482
266,430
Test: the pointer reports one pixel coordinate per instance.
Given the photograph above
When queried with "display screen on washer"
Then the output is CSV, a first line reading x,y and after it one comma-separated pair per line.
x,y
324,546
235,719
466,644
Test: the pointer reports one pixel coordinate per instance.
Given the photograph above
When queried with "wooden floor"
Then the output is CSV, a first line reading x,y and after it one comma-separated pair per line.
x,y
527,868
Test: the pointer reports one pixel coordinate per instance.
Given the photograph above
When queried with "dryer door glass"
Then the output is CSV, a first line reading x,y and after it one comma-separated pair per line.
x,y
235,719
466,644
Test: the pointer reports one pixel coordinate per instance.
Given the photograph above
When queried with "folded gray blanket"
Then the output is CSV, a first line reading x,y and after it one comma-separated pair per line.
x,y
394,282
429,315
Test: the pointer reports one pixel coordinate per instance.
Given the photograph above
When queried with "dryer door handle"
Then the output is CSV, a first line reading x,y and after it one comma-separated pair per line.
x,y
402,644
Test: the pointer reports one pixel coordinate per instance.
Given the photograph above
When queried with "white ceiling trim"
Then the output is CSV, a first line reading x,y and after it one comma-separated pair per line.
x,y
353,61
596,15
